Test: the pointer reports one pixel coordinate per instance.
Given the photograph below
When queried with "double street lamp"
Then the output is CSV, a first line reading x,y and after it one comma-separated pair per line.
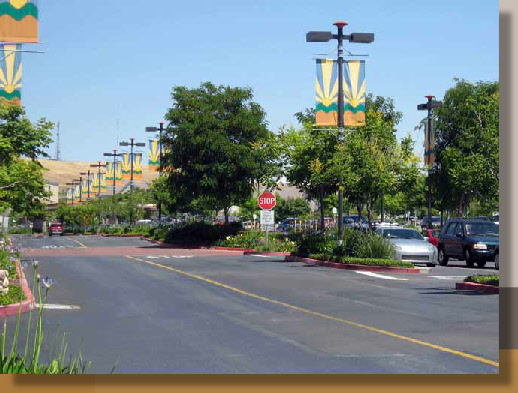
x,y
160,130
325,36
87,183
131,143
114,171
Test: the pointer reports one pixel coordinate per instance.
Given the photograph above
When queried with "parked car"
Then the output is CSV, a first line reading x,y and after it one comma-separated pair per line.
x,y
56,229
474,241
496,219
352,221
432,236
410,245
497,258
436,222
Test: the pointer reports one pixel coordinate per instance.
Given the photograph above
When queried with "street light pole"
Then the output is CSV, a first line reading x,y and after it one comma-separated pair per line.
x,y
131,143
325,36
98,166
160,130
114,155
429,106
87,184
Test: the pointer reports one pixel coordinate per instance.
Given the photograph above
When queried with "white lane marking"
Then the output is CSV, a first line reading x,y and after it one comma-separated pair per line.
x,y
448,277
262,256
169,256
60,307
150,257
379,275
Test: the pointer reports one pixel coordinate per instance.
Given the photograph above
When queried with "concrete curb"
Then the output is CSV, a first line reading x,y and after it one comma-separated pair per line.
x,y
27,304
386,269
473,286
266,253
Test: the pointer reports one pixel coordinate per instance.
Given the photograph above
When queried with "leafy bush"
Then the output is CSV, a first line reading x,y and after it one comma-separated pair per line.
x,y
362,261
373,245
485,279
315,243
202,233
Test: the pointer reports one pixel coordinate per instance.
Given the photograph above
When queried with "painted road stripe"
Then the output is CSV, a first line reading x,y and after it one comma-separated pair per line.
x,y
371,274
60,307
325,316
262,256
77,241
448,277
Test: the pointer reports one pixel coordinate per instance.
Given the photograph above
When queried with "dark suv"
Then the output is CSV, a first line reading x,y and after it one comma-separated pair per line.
x,y
469,240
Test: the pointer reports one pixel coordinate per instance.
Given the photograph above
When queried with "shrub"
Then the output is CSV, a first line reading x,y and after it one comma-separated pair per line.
x,y
202,232
485,279
315,243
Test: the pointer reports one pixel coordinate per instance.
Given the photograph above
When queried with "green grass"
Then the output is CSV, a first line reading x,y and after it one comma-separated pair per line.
x,y
15,295
486,280
362,261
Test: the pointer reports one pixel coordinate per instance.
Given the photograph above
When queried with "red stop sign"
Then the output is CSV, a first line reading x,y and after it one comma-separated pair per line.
x,y
266,201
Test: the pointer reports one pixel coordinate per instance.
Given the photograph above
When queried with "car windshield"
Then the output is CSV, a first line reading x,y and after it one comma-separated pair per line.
x,y
484,229
399,233
496,218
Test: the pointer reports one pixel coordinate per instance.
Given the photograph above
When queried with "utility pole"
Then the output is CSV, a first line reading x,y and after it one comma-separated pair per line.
x,y
325,36
132,143
429,155
58,148
88,182
160,130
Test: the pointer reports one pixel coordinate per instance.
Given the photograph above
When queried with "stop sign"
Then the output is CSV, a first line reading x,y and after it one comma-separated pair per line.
x,y
266,201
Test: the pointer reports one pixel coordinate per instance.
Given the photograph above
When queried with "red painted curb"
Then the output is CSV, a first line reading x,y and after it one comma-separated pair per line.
x,y
121,235
27,304
266,253
232,249
336,265
473,286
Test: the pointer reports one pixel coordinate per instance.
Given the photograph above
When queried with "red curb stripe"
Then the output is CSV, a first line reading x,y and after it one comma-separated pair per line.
x,y
337,265
473,286
27,304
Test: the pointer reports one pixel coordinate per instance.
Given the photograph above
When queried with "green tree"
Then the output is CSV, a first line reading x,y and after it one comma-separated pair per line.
x,y
290,207
467,146
217,146
21,178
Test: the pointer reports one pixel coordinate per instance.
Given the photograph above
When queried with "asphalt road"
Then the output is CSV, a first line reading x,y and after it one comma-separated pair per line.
x,y
197,311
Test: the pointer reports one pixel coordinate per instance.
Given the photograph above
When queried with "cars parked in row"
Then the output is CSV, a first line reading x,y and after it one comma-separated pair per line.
x,y
410,245
432,236
474,241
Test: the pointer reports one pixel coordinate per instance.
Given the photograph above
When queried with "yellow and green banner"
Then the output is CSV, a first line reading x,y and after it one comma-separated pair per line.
x,y
110,173
327,93
118,174
10,74
102,181
18,21
154,155
77,193
126,166
137,166
69,196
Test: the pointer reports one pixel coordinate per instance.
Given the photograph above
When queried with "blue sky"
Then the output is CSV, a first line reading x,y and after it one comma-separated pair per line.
x,y
109,61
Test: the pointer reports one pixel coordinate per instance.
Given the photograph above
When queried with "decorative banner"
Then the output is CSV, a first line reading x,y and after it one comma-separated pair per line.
x,y
110,173
77,193
102,181
94,185
137,166
86,183
354,93
69,196
154,155
327,92
118,174
126,166
429,156
18,21
10,74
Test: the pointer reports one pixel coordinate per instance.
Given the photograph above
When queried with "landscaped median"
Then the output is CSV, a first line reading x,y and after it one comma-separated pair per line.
x,y
15,295
365,264
488,284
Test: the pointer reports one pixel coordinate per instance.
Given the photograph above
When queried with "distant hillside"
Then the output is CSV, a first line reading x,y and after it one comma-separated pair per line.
x,y
65,171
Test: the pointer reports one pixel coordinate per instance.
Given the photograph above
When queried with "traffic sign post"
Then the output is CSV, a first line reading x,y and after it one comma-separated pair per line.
x,y
267,202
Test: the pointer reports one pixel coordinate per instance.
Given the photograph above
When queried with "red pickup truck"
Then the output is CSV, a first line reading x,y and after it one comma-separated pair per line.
x,y
55,229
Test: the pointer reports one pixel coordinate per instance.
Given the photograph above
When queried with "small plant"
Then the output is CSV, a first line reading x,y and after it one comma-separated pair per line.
x,y
484,279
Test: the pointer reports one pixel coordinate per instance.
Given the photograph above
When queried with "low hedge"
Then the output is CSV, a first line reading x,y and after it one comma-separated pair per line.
x,y
361,261
486,280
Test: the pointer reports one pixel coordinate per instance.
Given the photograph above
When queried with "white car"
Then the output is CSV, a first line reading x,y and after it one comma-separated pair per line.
x,y
410,245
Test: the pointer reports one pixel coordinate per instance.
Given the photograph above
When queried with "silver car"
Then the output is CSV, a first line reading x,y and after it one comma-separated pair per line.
x,y
410,245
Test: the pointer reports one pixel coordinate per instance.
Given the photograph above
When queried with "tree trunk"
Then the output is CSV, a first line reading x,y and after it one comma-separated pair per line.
x,y
460,206
225,211
382,207
321,201
359,208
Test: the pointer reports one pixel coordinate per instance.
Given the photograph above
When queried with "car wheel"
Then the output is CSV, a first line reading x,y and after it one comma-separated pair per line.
x,y
443,259
468,259
497,261
430,264
481,263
